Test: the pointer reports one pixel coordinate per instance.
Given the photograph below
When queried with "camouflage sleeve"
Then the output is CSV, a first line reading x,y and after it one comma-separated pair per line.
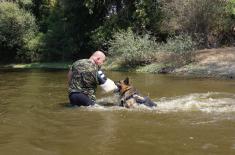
x,y
93,75
96,75
87,73
89,79
74,68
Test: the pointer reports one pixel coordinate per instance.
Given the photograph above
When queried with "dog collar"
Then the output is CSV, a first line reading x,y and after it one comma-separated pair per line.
x,y
125,91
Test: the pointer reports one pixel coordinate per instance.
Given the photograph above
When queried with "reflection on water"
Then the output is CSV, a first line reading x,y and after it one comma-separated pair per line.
x,y
193,116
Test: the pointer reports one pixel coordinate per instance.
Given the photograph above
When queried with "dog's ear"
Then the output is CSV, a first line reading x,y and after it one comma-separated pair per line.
x,y
126,81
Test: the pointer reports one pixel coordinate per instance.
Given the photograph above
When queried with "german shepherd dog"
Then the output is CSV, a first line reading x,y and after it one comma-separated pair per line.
x,y
130,98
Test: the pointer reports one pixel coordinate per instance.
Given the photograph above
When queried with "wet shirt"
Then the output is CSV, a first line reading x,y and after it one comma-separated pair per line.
x,y
84,78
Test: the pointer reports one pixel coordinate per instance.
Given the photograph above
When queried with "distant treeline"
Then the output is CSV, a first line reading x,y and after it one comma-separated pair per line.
x,y
64,30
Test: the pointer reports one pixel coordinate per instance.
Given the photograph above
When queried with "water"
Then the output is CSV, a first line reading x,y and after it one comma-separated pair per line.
x,y
195,116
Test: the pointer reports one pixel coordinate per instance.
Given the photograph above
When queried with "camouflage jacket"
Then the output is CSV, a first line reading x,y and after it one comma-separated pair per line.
x,y
84,78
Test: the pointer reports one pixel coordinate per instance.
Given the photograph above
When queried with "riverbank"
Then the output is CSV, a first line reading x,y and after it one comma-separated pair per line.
x,y
218,63
215,63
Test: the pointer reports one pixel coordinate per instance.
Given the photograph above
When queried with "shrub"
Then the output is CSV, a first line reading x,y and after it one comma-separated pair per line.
x,y
179,44
133,49
34,48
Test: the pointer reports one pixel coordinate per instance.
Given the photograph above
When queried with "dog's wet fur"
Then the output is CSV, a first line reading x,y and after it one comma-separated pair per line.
x,y
130,98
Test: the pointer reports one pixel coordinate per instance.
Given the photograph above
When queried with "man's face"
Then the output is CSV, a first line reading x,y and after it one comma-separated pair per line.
x,y
100,60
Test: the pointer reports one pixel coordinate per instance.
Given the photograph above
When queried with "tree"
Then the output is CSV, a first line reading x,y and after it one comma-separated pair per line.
x,y
17,28
204,20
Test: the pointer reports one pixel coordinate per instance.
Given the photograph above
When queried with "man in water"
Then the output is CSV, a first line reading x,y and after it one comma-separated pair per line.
x,y
84,76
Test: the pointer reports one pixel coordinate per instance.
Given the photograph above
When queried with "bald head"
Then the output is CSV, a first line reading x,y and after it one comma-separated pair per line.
x,y
98,57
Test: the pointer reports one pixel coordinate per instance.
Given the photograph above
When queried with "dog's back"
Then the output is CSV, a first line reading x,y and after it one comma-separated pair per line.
x,y
130,97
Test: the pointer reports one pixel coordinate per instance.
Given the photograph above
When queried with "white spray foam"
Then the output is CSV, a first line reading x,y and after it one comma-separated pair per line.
x,y
203,102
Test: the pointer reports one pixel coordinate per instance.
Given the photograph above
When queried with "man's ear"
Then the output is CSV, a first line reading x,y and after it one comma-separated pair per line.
x,y
126,81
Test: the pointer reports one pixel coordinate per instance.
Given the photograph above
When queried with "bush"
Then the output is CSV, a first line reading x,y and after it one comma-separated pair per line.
x,y
179,44
132,49
34,48
17,28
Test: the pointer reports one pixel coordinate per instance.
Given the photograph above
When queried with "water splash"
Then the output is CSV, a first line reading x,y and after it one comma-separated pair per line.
x,y
203,102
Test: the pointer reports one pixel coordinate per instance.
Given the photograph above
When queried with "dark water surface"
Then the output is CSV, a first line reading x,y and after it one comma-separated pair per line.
x,y
194,117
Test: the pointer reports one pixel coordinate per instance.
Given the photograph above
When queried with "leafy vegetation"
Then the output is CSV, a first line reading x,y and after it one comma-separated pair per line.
x,y
133,50
138,31
17,29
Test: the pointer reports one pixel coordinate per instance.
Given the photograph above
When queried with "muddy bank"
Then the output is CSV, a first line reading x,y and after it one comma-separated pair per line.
x,y
218,63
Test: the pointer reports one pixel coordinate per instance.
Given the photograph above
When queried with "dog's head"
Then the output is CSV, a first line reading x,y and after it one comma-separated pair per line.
x,y
123,86
130,96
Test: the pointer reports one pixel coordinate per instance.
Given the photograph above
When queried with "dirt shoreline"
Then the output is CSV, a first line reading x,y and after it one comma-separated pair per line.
x,y
215,63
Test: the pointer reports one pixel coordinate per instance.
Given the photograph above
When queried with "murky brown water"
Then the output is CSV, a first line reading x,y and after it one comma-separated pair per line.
x,y
193,117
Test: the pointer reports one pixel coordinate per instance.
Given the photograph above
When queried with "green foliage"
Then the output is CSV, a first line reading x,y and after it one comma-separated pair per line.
x,y
26,4
231,7
132,49
141,15
202,19
100,36
17,28
80,24
34,48
179,44
42,9
55,37
71,29
147,15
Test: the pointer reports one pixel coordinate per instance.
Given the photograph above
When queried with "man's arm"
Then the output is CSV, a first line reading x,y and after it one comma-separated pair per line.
x,y
69,75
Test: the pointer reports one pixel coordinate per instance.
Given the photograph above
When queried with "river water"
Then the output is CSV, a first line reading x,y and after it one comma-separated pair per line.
x,y
194,116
